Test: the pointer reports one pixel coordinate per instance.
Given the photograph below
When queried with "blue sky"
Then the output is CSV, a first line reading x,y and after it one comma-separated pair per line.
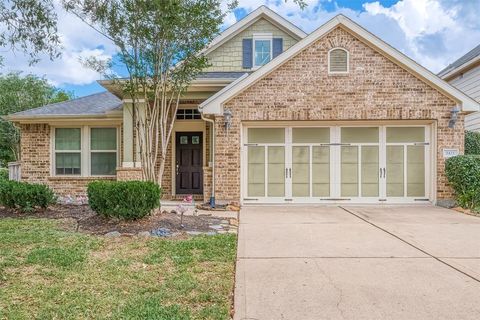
x,y
432,32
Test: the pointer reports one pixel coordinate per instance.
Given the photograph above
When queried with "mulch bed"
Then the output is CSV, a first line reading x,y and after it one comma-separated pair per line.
x,y
87,221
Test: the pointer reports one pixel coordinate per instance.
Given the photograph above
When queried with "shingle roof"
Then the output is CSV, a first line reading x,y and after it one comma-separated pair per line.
x,y
475,52
94,104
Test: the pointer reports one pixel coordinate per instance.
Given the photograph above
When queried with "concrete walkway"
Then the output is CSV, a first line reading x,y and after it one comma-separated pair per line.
x,y
381,262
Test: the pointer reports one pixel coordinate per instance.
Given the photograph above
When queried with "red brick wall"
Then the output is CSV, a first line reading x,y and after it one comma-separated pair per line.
x,y
301,89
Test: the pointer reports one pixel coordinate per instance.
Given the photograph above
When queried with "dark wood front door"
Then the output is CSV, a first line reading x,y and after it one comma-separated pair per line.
x,y
189,163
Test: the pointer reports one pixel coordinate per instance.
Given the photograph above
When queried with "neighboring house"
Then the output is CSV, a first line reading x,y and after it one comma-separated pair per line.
x,y
336,116
464,74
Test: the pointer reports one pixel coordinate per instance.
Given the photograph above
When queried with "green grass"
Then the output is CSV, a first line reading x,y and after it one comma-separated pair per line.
x,y
46,273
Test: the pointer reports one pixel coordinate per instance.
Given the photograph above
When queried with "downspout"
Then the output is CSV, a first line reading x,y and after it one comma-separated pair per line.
x,y
212,121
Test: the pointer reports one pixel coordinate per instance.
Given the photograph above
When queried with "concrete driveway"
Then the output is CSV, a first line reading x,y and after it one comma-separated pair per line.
x,y
365,262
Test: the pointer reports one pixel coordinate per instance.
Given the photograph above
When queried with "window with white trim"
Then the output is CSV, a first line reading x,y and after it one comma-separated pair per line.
x,y
103,151
68,154
85,151
262,50
338,61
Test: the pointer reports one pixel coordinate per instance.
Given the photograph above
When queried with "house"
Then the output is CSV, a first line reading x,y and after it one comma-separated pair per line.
x,y
464,74
335,116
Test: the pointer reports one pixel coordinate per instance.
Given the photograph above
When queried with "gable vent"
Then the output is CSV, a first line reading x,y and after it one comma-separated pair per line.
x,y
338,61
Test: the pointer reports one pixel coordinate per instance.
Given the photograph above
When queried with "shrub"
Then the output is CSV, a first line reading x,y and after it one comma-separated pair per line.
x,y
25,196
123,199
463,174
472,142
3,174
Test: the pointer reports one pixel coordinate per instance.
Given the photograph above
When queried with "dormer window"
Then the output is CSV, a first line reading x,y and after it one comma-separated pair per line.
x,y
338,61
262,51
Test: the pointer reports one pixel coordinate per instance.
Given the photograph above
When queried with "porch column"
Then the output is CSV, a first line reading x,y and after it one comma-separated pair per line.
x,y
129,169
127,136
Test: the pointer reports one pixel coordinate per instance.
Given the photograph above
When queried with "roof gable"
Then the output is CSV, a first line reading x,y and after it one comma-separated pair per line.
x,y
262,12
214,105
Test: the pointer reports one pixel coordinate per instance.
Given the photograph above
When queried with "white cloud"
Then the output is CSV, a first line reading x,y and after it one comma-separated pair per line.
x,y
432,32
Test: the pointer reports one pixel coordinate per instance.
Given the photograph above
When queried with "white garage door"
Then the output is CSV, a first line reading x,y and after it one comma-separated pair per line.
x,y
336,164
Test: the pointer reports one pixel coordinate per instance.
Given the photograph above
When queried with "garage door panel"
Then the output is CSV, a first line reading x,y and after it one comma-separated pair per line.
x,y
378,163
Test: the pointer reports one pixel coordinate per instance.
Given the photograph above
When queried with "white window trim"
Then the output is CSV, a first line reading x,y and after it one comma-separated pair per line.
x,y
85,150
348,61
257,37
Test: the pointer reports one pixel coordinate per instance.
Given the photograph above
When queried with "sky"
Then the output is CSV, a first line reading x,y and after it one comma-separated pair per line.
x,y
432,32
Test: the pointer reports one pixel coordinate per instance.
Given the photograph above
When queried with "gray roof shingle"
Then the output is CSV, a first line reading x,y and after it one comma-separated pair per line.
x,y
95,104
475,52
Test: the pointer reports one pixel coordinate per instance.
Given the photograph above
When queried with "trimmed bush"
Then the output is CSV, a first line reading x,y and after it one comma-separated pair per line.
x,y
123,199
24,196
463,174
472,142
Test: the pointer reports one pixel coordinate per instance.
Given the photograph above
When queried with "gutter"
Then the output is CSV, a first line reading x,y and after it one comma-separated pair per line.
x,y
212,121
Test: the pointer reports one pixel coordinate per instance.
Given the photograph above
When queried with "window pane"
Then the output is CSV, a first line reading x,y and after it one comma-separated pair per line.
x,y
311,135
406,134
256,171
321,171
276,170
369,172
262,52
67,163
266,135
415,171
395,168
359,135
349,167
67,139
103,163
103,139
301,171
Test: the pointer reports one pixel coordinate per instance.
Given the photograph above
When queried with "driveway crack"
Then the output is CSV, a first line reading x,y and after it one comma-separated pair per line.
x,y
410,244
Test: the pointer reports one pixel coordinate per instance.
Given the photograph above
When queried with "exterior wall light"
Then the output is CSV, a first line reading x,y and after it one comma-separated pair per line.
x,y
454,117
227,114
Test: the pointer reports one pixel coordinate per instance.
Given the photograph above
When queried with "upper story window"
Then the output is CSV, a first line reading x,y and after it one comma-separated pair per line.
x,y
262,51
338,61
85,151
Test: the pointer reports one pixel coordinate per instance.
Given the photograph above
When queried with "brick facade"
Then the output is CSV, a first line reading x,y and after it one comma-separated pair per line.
x,y
299,90
302,90
35,161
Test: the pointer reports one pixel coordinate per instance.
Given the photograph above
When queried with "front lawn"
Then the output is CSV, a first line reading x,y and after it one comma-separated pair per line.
x,y
47,273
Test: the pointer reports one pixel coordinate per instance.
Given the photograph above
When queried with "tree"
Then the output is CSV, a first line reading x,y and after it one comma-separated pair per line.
x,y
160,43
29,26
18,93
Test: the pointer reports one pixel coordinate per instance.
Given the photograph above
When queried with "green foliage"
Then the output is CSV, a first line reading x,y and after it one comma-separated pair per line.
x,y
463,174
19,93
123,199
3,174
30,27
24,196
472,142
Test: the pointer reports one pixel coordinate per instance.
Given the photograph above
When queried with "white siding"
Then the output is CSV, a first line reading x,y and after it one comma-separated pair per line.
x,y
469,83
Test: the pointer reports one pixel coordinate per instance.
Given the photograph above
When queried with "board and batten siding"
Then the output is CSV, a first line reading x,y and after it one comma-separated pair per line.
x,y
228,57
469,82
